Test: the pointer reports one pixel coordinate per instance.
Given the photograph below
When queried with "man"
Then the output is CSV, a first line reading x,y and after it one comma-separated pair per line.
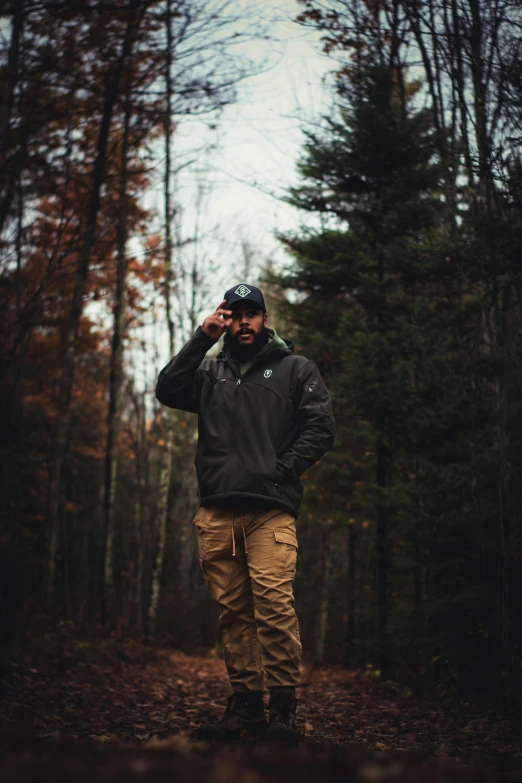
x,y
264,417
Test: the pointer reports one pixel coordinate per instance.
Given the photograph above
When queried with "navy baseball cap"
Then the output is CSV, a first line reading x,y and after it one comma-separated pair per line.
x,y
244,292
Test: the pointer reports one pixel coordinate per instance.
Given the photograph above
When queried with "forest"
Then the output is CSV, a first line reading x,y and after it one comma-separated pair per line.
x,y
402,280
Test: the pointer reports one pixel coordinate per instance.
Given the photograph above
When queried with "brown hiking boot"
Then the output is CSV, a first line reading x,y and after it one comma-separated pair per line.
x,y
281,726
244,714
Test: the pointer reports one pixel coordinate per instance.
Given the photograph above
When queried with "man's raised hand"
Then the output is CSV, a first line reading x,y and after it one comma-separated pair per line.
x,y
215,324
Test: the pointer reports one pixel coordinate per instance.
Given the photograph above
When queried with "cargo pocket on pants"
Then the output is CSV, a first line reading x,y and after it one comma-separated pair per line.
x,y
286,552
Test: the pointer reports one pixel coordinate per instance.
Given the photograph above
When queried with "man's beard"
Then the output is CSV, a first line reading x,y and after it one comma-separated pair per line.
x,y
242,353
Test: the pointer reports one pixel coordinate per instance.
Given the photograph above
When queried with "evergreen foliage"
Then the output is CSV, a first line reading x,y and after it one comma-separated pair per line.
x,y
390,304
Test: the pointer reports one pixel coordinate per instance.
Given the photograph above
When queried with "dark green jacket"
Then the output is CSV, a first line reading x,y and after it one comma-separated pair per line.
x,y
259,432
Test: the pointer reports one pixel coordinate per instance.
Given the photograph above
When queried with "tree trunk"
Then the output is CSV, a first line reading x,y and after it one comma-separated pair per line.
x,y
461,89
383,551
135,598
136,605
113,418
184,514
11,74
162,509
383,542
351,545
66,382
419,624
168,169
323,595
412,13
168,417
481,133
11,175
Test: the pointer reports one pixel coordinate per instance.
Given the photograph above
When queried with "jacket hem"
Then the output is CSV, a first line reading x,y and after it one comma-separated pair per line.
x,y
278,502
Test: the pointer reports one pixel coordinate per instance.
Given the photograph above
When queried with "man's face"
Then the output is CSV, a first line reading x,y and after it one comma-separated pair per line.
x,y
247,323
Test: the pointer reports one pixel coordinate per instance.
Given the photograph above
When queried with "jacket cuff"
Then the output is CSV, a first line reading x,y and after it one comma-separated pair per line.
x,y
202,337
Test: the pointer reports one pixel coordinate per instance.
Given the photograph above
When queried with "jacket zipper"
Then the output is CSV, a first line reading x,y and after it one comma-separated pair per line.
x,y
227,482
238,384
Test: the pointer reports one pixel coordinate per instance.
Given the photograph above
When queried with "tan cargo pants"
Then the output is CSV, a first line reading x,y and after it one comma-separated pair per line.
x,y
248,558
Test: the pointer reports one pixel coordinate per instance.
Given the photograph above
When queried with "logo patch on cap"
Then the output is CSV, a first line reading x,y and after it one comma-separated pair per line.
x,y
268,373
242,290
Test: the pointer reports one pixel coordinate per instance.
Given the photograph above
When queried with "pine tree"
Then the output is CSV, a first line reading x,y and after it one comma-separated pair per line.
x,y
377,311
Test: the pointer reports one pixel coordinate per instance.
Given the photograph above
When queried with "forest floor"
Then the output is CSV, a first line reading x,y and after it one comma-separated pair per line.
x,y
120,712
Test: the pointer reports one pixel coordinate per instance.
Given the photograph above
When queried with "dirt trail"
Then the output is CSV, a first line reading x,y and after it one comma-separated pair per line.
x,y
118,712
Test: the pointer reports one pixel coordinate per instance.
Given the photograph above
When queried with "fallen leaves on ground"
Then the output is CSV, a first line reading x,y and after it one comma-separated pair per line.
x,y
136,702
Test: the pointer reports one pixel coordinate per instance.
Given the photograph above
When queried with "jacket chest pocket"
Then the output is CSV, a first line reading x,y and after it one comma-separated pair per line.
x,y
220,392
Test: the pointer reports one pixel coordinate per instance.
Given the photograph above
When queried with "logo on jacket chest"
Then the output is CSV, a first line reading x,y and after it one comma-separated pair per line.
x,y
267,373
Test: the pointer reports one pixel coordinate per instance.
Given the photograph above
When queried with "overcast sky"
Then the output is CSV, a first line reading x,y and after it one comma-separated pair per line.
x,y
259,138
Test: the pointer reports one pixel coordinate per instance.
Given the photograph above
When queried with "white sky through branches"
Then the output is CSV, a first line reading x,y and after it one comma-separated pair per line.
x,y
259,139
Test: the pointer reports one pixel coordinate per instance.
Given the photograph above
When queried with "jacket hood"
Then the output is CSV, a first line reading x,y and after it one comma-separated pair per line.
x,y
273,343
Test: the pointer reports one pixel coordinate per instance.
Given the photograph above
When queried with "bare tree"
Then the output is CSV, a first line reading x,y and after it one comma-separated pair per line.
x,y
168,417
115,379
136,9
